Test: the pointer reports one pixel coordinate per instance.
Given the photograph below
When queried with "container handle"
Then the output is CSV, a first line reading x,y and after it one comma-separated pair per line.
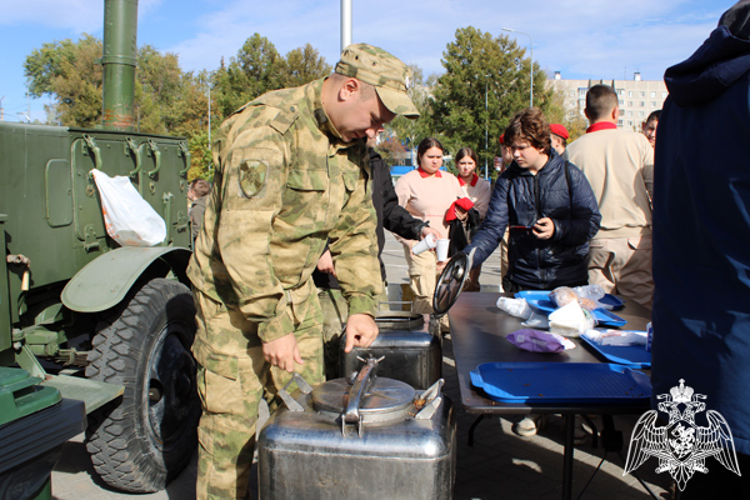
x,y
429,401
353,400
91,145
132,147
410,303
154,148
287,398
185,153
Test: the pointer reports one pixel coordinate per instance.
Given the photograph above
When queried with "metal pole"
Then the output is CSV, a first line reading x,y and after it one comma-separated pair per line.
x,y
486,126
346,23
531,46
209,111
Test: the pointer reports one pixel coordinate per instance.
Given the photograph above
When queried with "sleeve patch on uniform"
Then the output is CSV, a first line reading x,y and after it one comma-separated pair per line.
x,y
252,177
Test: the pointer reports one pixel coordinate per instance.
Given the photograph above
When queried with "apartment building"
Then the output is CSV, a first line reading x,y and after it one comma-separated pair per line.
x,y
638,98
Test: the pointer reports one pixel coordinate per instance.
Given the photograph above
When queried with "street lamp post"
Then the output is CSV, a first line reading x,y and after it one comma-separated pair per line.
x,y
486,126
531,45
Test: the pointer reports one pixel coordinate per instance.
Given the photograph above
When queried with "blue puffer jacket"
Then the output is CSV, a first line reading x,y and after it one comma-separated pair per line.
x,y
520,199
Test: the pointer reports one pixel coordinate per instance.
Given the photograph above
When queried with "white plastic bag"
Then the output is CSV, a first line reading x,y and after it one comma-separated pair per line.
x,y
515,307
128,218
571,320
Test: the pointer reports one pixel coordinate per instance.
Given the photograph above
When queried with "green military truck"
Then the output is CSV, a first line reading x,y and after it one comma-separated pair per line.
x,y
108,325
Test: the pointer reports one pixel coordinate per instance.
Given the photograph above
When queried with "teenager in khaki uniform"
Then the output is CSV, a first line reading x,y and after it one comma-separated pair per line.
x,y
619,165
292,173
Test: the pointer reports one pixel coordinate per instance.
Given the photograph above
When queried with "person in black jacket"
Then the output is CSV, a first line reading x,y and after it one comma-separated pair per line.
x,y
549,208
392,217
551,213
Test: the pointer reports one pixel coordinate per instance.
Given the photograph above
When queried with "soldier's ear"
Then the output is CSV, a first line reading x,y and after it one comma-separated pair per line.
x,y
349,89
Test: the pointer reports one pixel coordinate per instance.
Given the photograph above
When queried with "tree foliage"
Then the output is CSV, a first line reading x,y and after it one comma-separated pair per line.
x,y
168,101
303,65
486,81
392,151
70,72
410,132
556,113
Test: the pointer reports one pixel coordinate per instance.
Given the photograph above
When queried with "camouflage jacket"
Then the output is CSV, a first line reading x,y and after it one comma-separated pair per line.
x,y
285,183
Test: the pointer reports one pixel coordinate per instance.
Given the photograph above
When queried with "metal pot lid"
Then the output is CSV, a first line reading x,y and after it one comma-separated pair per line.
x,y
384,396
451,282
399,320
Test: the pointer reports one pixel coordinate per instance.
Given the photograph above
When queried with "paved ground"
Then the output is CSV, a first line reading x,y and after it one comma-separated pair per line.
x,y
500,465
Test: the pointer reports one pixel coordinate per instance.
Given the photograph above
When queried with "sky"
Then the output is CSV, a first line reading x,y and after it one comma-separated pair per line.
x,y
597,39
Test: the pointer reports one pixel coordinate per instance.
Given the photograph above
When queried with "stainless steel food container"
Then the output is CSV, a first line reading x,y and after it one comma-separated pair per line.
x,y
412,355
365,438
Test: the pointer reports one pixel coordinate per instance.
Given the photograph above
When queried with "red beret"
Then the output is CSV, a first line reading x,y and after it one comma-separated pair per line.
x,y
501,138
558,129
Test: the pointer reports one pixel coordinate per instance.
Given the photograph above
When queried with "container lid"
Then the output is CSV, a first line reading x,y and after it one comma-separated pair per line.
x,y
399,320
451,282
384,396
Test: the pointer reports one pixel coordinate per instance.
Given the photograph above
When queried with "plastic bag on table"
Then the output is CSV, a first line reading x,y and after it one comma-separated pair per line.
x,y
515,307
538,341
536,320
564,295
593,293
128,218
616,337
571,320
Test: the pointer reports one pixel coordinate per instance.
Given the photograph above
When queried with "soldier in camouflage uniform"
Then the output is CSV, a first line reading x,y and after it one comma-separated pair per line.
x,y
292,173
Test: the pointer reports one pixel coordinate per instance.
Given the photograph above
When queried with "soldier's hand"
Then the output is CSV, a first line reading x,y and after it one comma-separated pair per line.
x,y
325,263
283,352
361,331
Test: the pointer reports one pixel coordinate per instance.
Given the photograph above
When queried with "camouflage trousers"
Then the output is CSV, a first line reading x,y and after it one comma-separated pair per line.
x,y
335,311
231,386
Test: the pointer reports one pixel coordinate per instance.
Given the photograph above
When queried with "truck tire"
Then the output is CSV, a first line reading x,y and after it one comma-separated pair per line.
x,y
139,443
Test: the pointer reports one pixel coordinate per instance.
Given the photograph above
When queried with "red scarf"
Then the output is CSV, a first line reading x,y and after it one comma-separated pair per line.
x,y
425,174
596,127
474,180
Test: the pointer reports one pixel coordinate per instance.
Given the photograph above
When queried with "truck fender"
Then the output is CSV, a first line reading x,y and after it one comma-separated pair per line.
x,y
105,281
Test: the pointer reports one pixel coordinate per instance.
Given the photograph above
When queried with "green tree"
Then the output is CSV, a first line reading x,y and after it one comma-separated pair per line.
x,y
230,86
200,157
556,113
303,65
158,89
252,72
166,99
486,81
69,72
261,63
392,151
411,132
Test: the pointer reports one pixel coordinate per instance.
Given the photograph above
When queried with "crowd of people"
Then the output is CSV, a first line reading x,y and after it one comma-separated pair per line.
x,y
288,249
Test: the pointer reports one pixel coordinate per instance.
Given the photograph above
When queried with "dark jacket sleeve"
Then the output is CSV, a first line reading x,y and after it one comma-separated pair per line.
x,y
396,218
492,229
585,216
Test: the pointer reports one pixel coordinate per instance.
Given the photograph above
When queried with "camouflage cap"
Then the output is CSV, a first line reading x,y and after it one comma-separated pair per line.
x,y
390,77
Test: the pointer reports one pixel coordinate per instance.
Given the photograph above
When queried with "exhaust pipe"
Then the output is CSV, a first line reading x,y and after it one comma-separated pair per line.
x,y
119,62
